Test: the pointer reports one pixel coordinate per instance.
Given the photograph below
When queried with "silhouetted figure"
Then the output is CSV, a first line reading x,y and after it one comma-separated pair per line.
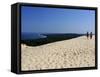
x,y
91,35
87,35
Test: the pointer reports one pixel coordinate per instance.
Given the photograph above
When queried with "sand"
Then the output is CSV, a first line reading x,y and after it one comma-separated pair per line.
x,y
72,53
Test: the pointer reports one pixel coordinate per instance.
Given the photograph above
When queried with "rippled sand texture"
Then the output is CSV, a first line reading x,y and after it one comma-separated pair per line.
x,y
77,52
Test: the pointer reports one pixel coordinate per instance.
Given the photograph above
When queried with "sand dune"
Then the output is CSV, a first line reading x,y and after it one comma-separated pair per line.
x,y
77,52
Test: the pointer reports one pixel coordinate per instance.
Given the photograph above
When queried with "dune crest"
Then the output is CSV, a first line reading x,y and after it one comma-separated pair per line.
x,y
76,52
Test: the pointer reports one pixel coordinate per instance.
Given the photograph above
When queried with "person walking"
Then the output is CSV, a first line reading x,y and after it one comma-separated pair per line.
x,y
91,35
87,35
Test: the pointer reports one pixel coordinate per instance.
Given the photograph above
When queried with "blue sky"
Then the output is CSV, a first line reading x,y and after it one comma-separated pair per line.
x,y
55,20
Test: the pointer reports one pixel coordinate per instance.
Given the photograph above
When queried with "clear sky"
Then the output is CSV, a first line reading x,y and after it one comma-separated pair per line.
x,y
55,20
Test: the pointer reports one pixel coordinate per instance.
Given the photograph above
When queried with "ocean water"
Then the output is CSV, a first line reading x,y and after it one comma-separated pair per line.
x,y
32,36
36,39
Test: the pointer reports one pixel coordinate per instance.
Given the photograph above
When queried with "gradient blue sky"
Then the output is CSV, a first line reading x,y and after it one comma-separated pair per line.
x,y
55,20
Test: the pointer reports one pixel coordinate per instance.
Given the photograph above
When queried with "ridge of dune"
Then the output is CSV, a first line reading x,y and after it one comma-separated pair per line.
x,y
72,53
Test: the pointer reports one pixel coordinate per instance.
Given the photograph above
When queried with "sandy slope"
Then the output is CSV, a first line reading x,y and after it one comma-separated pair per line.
x,y
77,52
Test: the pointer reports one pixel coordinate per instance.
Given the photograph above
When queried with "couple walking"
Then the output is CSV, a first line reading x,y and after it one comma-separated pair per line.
x,y
89,35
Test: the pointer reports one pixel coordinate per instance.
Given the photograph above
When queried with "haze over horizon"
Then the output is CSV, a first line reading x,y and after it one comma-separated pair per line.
x,y
55,20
